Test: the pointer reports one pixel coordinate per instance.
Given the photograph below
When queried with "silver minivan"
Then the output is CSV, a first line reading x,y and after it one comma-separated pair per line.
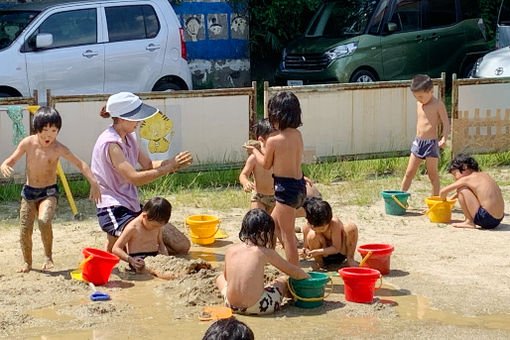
x,y
503,29
91,47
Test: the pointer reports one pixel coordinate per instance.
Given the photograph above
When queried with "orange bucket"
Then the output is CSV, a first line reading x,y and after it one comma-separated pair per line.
x,y
359,283
98,265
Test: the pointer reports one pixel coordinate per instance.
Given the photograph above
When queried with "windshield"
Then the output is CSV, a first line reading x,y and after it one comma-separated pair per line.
x,y
342,18
504,14
12,23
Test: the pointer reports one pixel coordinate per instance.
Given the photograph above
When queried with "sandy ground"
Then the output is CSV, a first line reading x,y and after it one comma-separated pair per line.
x,y
444,282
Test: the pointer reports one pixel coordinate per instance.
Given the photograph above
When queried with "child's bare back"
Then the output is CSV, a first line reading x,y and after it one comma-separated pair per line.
x,y
430,116
285,151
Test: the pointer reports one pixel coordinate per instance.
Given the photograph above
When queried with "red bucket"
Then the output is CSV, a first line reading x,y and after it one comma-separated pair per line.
x,y
359,283
378,256
98,265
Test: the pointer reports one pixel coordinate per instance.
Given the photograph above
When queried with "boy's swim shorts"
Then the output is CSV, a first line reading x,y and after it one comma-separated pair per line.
x,y
269,301
337,258
423,148
290,191
36,194
486,220
113,219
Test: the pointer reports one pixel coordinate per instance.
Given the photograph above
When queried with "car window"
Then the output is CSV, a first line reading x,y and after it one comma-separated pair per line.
x,y
12,23
375,25
69,28
407,15
131,22
504,14
441,13
469,9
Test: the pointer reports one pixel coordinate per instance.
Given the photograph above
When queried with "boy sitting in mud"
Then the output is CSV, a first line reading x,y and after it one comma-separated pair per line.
x,y
39,194
263,184
479,195
242,280
326,238
143,236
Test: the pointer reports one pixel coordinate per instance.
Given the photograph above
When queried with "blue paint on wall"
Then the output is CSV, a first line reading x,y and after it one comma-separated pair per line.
x,y
212,30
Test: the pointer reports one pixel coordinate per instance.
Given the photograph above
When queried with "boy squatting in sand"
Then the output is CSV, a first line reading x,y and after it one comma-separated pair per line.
x,y
326,238
263,184
283,153
39,194
242,281
479,195
143,235
431,112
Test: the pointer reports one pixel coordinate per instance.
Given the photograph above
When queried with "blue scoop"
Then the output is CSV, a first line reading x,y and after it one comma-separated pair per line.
x,y
97,295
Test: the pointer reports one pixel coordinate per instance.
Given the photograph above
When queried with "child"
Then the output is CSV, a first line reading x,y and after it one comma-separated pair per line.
x,y
431,112
325,237
143,235
242,281
228,329
283,153
39,194
479,195
263,184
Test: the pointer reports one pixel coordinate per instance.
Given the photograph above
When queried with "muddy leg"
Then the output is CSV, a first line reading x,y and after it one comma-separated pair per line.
x,y
46,212
27,216
350,239
175,241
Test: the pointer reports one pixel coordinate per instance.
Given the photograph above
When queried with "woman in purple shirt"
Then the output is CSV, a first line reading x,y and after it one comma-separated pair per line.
x,y
114,160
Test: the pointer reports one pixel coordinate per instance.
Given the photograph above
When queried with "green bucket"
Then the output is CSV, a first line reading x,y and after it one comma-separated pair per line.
x,y
309,293
395,201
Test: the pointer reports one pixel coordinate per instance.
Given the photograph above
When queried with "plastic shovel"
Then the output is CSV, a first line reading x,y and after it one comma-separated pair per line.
x,y
97,295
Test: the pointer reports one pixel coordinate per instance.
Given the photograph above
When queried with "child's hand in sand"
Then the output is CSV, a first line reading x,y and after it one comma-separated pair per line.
x,y
137,263
248,186
6,170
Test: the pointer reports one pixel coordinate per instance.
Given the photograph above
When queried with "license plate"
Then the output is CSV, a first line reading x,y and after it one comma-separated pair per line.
x,y
294,82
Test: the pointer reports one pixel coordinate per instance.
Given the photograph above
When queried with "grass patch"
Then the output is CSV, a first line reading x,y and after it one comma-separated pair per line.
x,y
358,181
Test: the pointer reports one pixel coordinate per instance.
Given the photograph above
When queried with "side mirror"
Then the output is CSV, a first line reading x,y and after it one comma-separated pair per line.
x,y
43,40
391,27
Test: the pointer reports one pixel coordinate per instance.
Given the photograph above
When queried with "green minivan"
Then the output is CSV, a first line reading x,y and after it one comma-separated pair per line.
x,y
371,40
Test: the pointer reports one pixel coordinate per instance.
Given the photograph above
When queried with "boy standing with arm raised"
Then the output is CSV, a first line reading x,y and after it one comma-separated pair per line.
x,y
431,112
283,153
39,194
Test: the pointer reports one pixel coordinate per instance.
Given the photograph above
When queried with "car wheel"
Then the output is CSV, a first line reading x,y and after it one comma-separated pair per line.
x,y
363,76
167,86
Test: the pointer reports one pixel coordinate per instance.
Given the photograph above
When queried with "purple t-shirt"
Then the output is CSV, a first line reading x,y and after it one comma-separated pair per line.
x,y
115,189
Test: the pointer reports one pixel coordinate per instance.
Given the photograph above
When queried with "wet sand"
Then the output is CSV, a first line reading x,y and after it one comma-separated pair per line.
x,y
444,282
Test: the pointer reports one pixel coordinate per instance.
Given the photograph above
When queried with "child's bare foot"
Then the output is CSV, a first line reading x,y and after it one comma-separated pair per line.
x,y
318,268
466,224
25,269
352,263
48,264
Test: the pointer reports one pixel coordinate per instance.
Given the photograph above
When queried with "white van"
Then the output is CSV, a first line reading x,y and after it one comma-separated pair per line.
x,y
91,47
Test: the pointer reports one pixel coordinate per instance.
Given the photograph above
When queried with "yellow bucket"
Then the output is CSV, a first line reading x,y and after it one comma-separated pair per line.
x,y
439,211
202,228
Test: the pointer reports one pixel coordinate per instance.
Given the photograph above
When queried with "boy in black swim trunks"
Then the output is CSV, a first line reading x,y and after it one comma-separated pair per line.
x,y
431,112
143,235
283,153
479,195
326,238
39,194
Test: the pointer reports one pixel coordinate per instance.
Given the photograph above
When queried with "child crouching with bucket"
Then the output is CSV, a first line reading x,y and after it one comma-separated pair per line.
x,y
242,281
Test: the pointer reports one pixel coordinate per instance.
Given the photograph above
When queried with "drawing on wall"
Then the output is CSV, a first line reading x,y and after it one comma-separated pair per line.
x,y
155,130
239,27
217,26
194,29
